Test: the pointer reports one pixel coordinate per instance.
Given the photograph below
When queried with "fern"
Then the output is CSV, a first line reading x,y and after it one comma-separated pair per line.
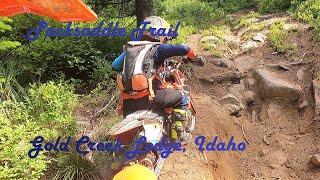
x,y
4,45
4,26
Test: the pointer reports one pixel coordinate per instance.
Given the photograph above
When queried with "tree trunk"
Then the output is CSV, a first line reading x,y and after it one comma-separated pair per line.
x,y
144,8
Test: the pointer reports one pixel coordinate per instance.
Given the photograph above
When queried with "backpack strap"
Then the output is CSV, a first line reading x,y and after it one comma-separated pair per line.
x,y
151,91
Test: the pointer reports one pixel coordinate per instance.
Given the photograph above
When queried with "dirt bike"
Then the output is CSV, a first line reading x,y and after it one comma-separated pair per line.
x,y
155,126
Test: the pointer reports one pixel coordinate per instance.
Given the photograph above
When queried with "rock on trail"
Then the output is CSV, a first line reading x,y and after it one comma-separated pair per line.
x,y
269,86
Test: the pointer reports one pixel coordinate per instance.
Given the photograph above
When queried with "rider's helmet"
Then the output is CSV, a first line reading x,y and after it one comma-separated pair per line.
x,y
156,22
134,172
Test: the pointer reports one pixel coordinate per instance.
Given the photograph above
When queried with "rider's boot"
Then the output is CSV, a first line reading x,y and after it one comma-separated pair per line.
x,y
178,130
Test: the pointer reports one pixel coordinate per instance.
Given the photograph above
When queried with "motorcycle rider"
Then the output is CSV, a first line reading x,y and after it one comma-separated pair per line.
x,y
163,97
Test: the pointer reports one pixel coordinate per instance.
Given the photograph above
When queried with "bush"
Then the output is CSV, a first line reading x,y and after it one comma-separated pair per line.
x,y
72,166
308,11
159,7
5,43
248,20
51,58
280,39
14,146
274,5
103,73
316,32
10,88
51,106
183,33
236,5
192,12
218,31
48,112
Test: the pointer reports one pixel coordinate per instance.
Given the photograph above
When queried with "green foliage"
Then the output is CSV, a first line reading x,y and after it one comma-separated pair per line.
x,y
250,24
103,72
72,166
158,7
247,20
51,105
280,39
218,31
197,14
191,12
48,112
217,47
14,145
4,26
52,58
274,5
236,5
6,44
308,11
10,88
316,25
183,33
258,26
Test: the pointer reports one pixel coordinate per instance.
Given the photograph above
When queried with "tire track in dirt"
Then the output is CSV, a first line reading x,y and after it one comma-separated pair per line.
x,y
211,121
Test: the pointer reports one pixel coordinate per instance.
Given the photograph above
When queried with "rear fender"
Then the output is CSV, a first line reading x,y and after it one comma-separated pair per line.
x,y
152,132
133,123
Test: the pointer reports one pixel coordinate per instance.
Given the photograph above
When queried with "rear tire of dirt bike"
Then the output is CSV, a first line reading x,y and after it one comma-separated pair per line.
x,y
124,160
148,160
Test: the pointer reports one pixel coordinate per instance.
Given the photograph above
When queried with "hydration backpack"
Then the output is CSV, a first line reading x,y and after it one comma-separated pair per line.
x,y
135,81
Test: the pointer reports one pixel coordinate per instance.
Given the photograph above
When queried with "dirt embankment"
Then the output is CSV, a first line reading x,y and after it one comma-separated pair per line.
x,y
261,97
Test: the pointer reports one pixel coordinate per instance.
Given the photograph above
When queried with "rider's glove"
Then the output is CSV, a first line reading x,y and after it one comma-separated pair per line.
x,y
198,61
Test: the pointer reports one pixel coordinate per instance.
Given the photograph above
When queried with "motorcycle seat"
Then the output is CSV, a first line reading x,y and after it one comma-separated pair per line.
x,y
133,120
143,114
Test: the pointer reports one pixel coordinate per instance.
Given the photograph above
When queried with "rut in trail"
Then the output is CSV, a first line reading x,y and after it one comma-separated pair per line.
x,y
195,165
211,121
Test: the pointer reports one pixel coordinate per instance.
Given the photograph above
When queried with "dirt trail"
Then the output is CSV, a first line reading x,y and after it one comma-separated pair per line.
x,y
211,122
210,165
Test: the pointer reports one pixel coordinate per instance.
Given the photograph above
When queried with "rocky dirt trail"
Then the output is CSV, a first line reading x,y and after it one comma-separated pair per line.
x,y
270,100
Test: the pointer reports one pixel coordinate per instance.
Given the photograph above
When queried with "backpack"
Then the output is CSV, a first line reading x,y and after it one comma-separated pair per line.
x,y
135,81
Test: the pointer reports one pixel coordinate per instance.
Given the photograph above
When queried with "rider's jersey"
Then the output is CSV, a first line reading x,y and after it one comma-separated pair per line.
x,y
163,52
